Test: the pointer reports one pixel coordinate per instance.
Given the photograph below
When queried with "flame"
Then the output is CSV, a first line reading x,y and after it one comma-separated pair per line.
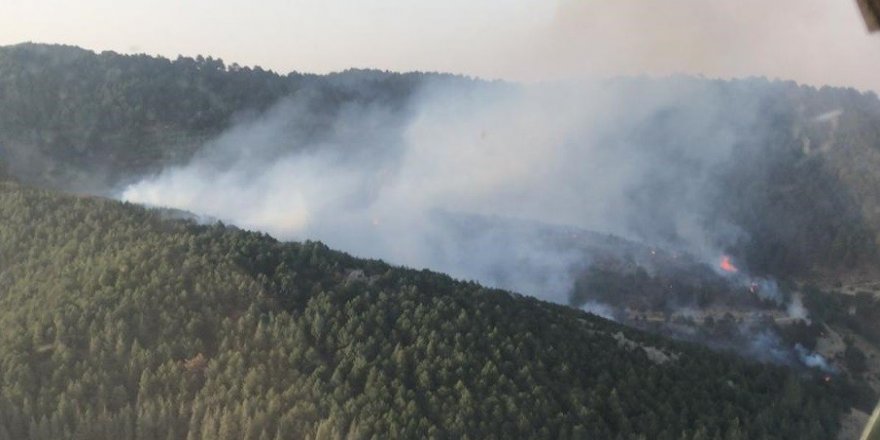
x,y
727,266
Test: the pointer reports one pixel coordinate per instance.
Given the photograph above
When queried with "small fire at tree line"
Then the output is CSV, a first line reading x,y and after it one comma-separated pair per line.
x,y
726,265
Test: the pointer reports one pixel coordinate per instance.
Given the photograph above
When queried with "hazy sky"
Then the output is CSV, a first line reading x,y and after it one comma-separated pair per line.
x,y
812,41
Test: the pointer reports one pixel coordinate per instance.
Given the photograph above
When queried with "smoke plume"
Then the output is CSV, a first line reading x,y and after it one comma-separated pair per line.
x,y
516,186
457,180
814,360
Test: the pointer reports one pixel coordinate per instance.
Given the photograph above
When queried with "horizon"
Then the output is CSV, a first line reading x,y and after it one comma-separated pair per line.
x,y
812,42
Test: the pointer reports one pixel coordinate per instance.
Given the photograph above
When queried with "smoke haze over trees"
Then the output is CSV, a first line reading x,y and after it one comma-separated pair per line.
x,y
122,324
703,167
461,175
689,165
620,197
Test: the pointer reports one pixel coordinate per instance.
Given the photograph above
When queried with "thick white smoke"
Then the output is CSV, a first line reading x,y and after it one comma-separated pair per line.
x,y
797,311
454,182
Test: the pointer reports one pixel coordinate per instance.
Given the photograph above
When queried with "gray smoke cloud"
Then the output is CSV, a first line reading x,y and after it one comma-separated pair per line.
x,y
600,309
458,181
814,360
797,311
519,187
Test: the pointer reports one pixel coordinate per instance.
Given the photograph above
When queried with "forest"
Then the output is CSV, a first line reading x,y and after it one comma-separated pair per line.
x,y
801,189
127,322
124,323
70,117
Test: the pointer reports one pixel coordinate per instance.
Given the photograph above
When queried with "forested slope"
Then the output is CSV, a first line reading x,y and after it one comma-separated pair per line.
x,y
120,323
71,117
801,188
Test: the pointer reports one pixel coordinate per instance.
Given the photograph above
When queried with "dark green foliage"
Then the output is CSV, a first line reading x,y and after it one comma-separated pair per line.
x,y
803,333
798,194
857,312
855,360
695,286
119,324
69,116
799,213
68,110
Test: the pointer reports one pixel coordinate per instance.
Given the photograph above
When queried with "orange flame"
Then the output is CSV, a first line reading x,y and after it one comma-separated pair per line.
x,y
727,266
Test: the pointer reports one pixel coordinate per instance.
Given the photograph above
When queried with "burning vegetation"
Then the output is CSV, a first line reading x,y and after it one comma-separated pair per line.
x,y
726,265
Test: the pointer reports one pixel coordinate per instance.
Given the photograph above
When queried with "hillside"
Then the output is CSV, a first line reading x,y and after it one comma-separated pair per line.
x,y
120,323
798,195
73,118
136,325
